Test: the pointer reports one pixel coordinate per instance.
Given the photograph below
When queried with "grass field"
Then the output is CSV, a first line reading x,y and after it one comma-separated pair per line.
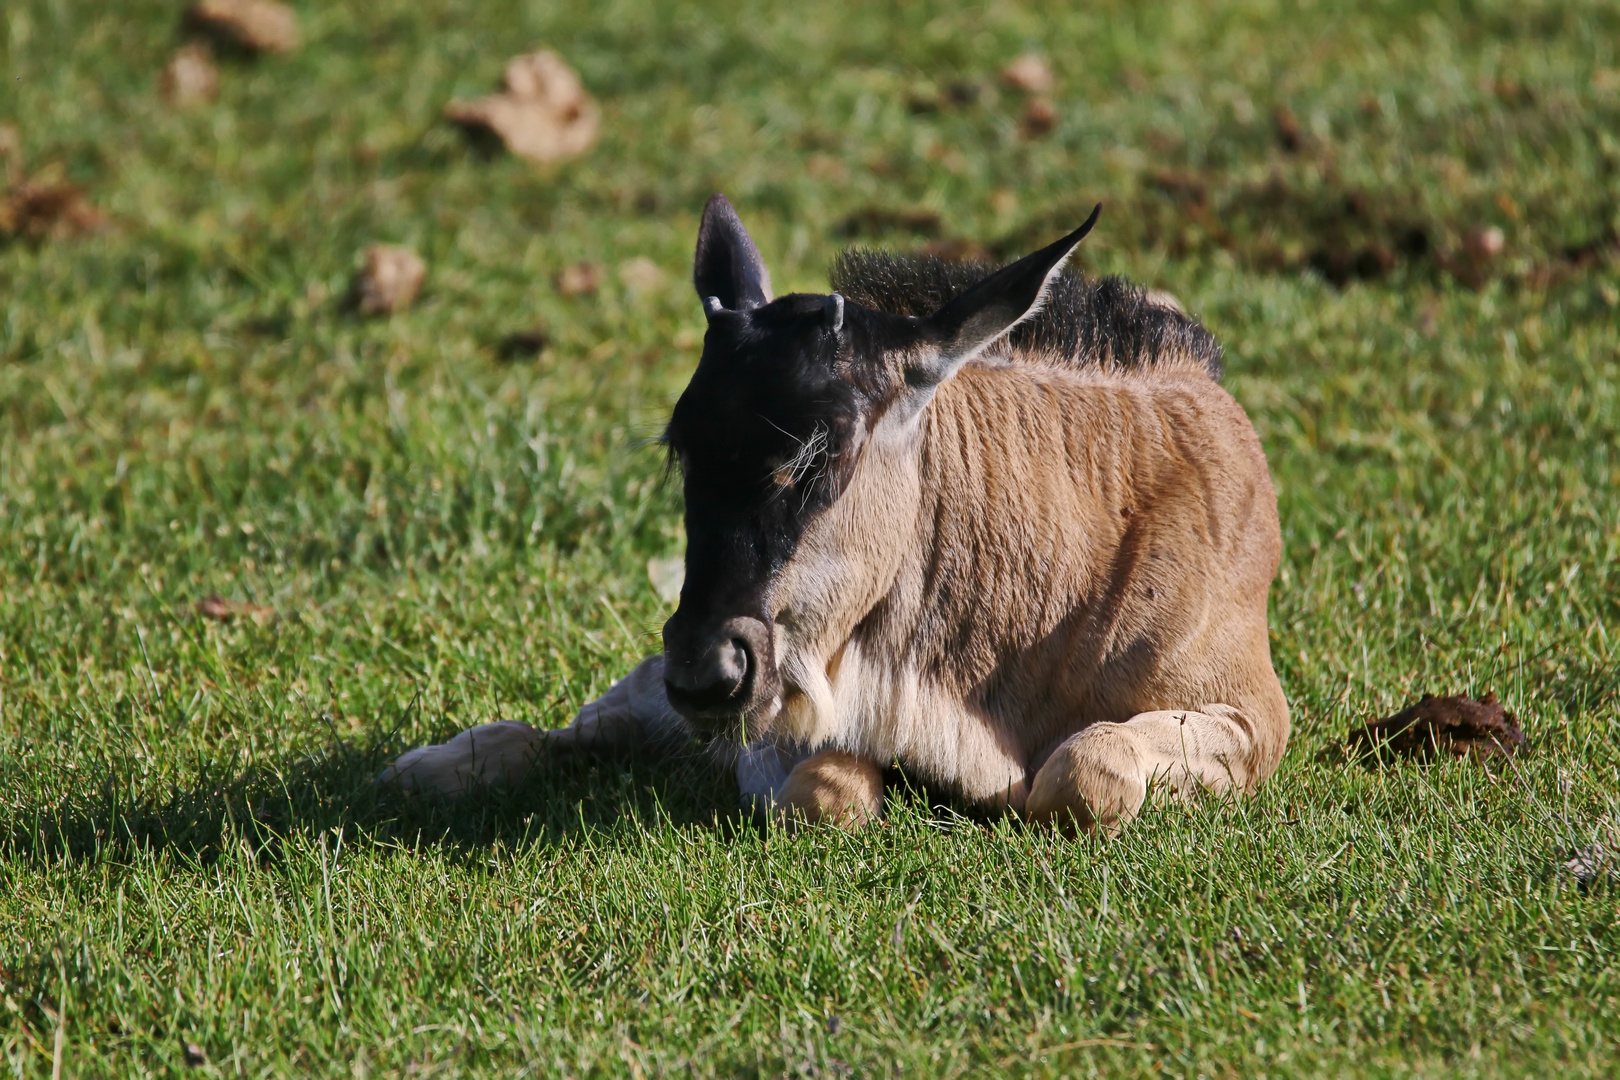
x,y
442,533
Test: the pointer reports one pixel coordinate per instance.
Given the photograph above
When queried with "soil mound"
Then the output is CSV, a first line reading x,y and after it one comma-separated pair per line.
x,y
1437,727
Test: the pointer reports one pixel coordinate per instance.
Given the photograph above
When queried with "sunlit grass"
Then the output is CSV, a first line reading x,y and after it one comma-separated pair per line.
x,y
191,850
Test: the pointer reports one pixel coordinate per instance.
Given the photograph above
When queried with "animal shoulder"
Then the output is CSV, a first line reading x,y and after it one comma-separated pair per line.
x,y
1084,323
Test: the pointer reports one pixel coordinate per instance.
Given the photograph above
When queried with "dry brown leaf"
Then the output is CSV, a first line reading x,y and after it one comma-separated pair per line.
x,y
580,279
1029,73
389,281
222,610
543,115
259,26
190,77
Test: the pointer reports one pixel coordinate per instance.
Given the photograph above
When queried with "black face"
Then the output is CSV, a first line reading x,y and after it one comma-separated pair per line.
x,y
766,436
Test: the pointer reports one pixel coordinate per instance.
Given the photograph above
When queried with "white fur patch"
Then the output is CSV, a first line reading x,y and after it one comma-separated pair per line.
x,y
882,711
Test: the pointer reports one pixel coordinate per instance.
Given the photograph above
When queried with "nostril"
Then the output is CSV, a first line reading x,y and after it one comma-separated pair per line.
x,y
713,678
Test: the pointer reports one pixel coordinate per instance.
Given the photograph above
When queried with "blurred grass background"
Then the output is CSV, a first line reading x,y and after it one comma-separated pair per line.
x,y
443,533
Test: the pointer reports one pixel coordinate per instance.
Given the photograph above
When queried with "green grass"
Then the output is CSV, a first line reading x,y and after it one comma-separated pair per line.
x,y
190,847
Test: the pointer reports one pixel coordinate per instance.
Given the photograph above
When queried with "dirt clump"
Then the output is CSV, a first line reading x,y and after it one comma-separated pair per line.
x,y
190,77
1341,233
1438,727
1599,249
1473,261
544,114
389,280
1040,117
928,98
579,279
524,344
252,26
1188,189
1030,74
47,207
1290,135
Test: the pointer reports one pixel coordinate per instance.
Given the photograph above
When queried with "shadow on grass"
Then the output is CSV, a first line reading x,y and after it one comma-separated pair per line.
x,y
564,795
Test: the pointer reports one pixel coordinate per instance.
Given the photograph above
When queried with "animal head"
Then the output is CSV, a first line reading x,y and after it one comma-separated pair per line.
x,y
769,431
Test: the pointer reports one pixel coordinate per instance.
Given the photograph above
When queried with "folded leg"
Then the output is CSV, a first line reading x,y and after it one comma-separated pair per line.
x,y
1101,775
489,755
634,715
831,787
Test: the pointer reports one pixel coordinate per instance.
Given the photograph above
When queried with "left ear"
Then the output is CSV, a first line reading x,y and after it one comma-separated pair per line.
x,y
727,270
975,320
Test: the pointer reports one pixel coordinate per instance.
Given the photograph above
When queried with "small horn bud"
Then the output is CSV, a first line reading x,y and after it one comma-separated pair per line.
x,y
835,312
712,306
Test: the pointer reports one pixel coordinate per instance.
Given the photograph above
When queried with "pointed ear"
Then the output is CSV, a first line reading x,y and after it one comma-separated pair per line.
x,y
727,265
973,321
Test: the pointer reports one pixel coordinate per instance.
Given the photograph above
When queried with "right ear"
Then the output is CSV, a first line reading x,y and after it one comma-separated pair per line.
x,y
727,266
974,320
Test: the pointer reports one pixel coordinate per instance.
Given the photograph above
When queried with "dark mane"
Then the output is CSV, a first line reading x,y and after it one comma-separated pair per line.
x,y
1084,322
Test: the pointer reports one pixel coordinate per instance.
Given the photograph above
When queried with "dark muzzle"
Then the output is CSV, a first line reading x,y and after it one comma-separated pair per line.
x,y
710,678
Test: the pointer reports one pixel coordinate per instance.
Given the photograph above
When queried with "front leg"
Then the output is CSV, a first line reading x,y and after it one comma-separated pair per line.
x,y
633,715
832,787
1100,776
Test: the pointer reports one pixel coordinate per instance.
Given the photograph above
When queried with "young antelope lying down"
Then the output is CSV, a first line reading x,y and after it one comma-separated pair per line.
x,y
1003,528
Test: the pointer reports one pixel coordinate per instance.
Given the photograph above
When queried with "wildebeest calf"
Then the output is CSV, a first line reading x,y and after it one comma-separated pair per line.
x,y
1004,528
